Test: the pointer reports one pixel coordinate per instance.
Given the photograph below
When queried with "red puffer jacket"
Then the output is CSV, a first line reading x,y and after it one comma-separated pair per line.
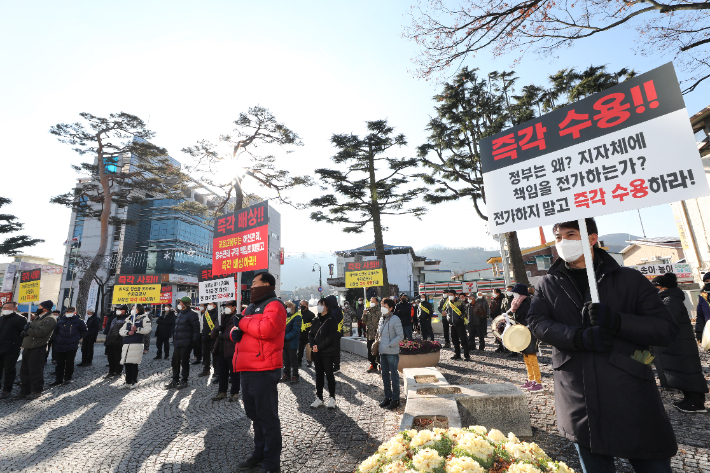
x,y
262,343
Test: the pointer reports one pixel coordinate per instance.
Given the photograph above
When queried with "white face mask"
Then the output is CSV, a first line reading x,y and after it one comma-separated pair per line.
x,y
70,314
288,310
320,309
134,311
570,250
227,310
384,310
508,293
210,307
180,307
7,312
119,312
167,308
451,298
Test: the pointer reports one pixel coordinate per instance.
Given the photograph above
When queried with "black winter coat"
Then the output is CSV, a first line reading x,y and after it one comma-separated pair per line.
x,y
324,334
403,310
307,318
423,315
206,330
678,364
69,331
93,326
11,327
165,325
112,329
606,401
187,329
521,316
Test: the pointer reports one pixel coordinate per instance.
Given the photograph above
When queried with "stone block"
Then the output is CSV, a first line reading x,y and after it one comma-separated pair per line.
x,y
415,378
355,345
429,407
500,406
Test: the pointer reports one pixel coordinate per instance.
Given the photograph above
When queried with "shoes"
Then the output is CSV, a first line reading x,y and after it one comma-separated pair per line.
x,y
393,405
172,385
456,357
309,364
167,356
336,370
68,381
535,386
500,349
54,362
131,385
527,384
689,407
197,362
234,397
183,384
56,383
330,404
385,403
467,359
250,463
284,379
158,357
277,470
20,397
6,395
220,396
447,345
110,375
203,374
371,369
294,379
513,354
317,403
82,364
33,396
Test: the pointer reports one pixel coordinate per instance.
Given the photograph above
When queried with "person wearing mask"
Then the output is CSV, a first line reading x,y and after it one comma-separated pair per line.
x,y
372,321
258,358
137,326
11,326
114,342
68,333
208,320
50,345
403,310
337,314
390,333
224,352
457,320
359,312
186,337
678,365
444,319
495,303
291,339
36,334
197,349
477,320
506,301
323,337
425,309
307,317
703,308
606,401
165,324
519,309
348,316
93,325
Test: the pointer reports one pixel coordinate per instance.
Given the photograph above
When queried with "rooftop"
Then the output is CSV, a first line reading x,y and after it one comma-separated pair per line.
x,y
662,242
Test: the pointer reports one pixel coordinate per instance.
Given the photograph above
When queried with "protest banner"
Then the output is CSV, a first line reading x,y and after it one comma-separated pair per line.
x,y
5,297
166,294
217,290
137,289
241,241
628,147
29,286
683,271
363,274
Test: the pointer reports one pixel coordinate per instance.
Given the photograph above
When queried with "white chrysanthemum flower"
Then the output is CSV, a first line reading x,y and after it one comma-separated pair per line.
x,y
393,449
512,438
523,468
475,445
426,459
537,451
456,433
440,431
479,429
497,436
395,467
370,464
424,438
463,465
412,432
559,467
519,451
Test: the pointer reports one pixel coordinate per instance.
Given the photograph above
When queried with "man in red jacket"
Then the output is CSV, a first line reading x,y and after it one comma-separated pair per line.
x,y
258,356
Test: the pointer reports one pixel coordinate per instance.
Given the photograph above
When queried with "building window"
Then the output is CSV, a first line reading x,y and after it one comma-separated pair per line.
x,y
543,262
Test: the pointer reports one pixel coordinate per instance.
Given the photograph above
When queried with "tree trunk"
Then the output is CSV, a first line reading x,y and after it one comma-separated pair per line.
x,y
238,194
377,224
516,259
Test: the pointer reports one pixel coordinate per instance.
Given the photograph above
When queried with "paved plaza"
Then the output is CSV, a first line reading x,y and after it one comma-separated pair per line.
x,y
91,426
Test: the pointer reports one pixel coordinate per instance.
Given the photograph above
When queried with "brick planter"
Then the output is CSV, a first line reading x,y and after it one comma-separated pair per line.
x,y
418,361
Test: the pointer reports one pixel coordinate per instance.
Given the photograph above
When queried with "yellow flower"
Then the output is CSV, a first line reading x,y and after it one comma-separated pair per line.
x,y
456,433
497,436
537,451
463,465
395,467
479,429
475,445
519,451
523,468
512,438
393,449
560,467
426,459
424,438
370,464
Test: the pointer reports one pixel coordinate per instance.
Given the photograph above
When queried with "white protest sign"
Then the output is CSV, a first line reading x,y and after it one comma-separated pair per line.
x,y
683,271
217,290
628,147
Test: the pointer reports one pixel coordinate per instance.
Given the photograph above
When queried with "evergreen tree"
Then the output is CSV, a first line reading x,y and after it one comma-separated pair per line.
x,y
9,224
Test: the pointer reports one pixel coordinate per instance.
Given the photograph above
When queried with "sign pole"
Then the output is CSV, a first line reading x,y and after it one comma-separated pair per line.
x,y
589,263
504,257
239,292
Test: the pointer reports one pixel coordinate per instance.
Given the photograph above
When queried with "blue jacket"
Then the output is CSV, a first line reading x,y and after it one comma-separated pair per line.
x,y
187,329
293,331
702,316
68,333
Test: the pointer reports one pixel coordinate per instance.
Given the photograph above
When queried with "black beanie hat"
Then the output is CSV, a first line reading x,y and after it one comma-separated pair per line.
x,y
666,280
706,276
47,305
521,289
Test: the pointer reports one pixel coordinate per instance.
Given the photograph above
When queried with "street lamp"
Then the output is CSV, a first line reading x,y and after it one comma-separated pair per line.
x,y
320,274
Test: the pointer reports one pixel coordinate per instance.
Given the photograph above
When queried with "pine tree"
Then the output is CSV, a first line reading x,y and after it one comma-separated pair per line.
x,y
9,224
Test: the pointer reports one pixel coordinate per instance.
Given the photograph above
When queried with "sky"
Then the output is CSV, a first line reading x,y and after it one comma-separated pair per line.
x,y
190,68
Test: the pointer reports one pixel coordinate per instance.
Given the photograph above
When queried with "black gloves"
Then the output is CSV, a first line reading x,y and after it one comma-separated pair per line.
x,y
594,339
23,334
600,315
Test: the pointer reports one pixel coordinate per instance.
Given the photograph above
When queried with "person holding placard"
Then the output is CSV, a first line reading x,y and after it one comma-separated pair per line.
x,y
606,398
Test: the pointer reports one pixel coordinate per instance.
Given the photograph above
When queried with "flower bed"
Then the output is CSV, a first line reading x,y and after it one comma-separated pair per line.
x,y
471,450
418,347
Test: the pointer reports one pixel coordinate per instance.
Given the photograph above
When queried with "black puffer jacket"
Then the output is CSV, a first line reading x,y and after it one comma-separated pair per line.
x,y
11,327
93,325
606,401
165,325
678,364
324,334
187,329
112,335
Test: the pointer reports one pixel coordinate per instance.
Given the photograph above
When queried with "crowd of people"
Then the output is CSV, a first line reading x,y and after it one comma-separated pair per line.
x,y
596,348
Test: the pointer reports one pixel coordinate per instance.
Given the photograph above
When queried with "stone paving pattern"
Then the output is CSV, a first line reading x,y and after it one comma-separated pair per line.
x,y
91,426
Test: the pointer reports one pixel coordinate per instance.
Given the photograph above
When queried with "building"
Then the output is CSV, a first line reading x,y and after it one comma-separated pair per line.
x,y
661,250
49,281
692,216
404,268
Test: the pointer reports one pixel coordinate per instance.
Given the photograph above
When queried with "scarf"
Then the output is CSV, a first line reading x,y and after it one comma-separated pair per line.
x,y
259,293
516,303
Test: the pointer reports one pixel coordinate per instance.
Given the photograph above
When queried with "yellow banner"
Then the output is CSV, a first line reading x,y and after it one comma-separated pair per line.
x,y
367,278
143,294
29,292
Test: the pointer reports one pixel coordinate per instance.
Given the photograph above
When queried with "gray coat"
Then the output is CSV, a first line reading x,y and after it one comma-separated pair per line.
x,y
390,333
606,401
